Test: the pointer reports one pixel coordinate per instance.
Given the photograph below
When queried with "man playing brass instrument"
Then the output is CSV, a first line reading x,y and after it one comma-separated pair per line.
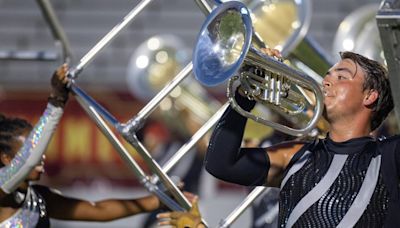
x,y
348,179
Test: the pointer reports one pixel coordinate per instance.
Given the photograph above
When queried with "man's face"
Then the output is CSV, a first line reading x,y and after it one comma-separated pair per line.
x,y
343,89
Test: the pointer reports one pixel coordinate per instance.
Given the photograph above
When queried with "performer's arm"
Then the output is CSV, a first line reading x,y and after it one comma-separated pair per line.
x,y
69,208
36,142
226,160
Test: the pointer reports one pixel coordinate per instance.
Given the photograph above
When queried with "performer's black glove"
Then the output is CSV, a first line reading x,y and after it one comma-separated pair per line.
x,y
59,91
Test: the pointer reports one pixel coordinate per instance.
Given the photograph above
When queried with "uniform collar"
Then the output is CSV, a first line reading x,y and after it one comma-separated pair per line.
x,y
347,147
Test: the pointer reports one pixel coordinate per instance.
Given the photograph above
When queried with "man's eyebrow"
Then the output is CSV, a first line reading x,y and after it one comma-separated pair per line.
x,y
344,69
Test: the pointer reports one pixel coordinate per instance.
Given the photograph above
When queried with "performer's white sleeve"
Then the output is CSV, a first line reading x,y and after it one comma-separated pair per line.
x,y
31,152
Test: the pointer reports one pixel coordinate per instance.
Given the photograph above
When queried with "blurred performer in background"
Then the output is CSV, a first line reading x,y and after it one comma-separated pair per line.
x,y
348,179
22,146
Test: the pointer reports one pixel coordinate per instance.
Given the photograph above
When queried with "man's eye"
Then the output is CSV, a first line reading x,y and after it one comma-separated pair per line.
x,y
340,77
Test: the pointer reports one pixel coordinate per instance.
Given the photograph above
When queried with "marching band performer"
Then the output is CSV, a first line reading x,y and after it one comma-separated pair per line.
x,y
348,179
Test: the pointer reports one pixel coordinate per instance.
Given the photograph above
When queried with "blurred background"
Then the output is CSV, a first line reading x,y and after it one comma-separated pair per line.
x,y
80,160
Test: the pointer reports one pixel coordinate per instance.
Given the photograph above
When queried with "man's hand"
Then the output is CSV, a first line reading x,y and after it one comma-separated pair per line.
x,y
275,53
59,91
178,219
272,52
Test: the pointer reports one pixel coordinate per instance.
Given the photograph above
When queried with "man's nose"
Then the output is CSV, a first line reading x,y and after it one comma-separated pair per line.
x,y
326,82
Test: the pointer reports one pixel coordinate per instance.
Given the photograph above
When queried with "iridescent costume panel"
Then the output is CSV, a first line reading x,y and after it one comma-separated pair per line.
x,y
30,214
31,152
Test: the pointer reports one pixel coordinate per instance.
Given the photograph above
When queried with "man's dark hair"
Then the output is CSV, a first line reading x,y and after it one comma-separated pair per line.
x,y
376,78
10,128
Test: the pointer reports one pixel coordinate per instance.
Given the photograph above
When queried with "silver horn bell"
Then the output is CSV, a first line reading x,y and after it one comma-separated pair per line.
x,y
224,51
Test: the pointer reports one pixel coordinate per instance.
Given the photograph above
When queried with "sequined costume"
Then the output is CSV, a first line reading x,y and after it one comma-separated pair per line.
x,y
32,150
32,212
332,184
327,184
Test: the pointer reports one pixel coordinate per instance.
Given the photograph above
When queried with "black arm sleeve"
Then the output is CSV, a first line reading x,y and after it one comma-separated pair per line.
x,y
226,160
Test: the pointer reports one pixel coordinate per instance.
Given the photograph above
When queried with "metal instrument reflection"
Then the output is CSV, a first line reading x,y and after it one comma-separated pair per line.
x,y
224,48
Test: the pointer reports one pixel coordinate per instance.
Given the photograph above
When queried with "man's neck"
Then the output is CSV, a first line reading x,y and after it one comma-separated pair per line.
x,y
344,132
346,127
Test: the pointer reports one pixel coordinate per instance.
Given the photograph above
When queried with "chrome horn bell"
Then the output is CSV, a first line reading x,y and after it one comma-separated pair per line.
x,y
224,51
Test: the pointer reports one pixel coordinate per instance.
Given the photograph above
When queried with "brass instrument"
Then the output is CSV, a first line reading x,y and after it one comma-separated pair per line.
x,y
154,63
283,25
224,48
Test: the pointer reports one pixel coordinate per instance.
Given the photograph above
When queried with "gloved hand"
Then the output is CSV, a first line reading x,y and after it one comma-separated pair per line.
x,y
179,219
59,91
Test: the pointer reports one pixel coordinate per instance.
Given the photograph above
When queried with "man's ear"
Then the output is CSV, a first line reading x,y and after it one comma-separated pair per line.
x,y
371,97
5,158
